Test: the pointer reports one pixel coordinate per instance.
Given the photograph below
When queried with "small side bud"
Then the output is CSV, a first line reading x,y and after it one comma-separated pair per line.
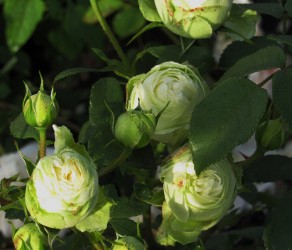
x,y
39,110
271,134
135,128
29,237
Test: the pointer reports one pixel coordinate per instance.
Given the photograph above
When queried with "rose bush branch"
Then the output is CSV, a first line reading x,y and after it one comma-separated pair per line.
x,y
109,33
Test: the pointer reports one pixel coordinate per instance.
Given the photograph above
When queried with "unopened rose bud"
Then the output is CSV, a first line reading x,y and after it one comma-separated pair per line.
x,y
39,110
29,237
271,134
135,128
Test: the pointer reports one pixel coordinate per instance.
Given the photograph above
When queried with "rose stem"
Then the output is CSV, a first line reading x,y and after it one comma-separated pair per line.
x,y
122,157
42,142
109,33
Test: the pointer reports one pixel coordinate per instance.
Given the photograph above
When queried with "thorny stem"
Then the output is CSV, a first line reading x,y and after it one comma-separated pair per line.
x,y
122,157
109,33
42,142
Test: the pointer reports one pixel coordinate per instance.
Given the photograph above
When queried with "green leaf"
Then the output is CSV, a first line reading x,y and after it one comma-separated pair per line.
x,y
282,94
199,57
63,138
86,132
105,94
63,41
273,9
30,166
278,232
81,33
126,208
269,168
227,117
22,17
150,26
284,39
265,58
241,25
106,8
145,194
112,65
70,72
128,22
240,49
288,7
19,129
124,226
14,213
99,218
149,11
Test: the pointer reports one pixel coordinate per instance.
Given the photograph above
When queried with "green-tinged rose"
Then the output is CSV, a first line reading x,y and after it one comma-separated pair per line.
x,y
135,128
128,243
63,188
40,110
193,18
29,237
271,134
196,202
172,88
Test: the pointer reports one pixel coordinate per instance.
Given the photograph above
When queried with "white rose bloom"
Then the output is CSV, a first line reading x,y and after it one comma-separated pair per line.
x,y
178,85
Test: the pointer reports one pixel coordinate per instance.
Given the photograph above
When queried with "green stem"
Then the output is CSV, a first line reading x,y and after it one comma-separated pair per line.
x,y
261,84
42,142
185,49
122,157
109,33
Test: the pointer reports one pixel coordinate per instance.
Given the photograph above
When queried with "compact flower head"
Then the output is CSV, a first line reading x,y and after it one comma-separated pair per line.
x,y
193,19
63,188
172,88
195,202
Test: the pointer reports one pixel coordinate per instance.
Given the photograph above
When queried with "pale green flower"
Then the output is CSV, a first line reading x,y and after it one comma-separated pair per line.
x,y
175,87
197,202
63,187
193,19
29,237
